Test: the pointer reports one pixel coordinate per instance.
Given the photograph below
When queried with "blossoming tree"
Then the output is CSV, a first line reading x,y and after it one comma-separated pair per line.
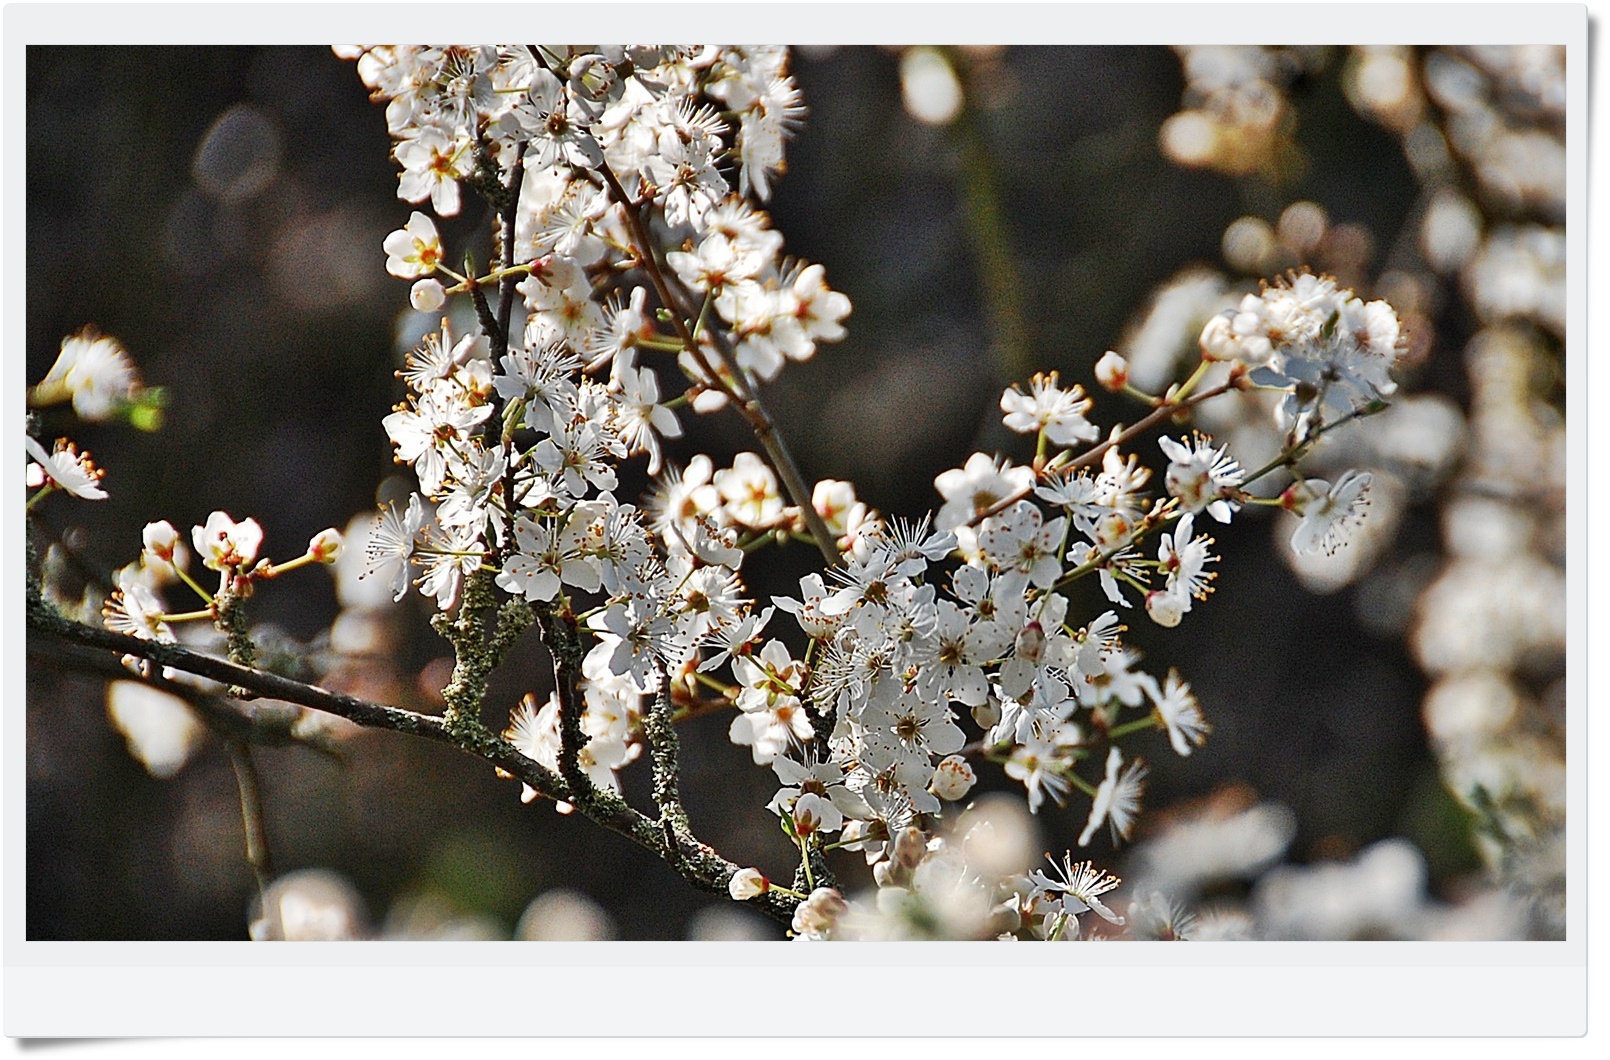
x,y
631,280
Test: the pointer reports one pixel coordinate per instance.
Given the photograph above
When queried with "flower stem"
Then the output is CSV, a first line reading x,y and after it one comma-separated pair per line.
x,y
805,860
1118,731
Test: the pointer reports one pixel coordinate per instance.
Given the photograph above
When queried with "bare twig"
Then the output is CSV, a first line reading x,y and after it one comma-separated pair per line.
x,y
251,813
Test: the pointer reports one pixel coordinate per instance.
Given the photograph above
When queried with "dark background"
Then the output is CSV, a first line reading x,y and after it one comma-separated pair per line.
x,y
247,279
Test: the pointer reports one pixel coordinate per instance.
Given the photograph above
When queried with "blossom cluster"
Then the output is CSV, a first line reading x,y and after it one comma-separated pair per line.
x,y
636,278
516,451
921,630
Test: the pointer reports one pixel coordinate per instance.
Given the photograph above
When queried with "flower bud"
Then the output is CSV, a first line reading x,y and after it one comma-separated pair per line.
x,y
1164,608
953,778
427,295
818,914
326,545
1030,643
746,884
909,847
810,810
1112,371
160,540
1112,530
1218,339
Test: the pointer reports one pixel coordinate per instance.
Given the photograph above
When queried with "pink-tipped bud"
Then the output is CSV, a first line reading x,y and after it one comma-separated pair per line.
x,y
1112,371
746,884
326,545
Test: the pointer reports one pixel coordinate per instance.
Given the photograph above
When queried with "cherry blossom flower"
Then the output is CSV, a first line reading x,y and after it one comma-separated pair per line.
x,y
1117,800
749,490
640,420
1081,887
979,485
67,469
413,250
93,371
1203,478
1016,540
1048,408
1038,764
431,432
392,543
1328,512
224,544
135,609
433,162
1181,714
1183,560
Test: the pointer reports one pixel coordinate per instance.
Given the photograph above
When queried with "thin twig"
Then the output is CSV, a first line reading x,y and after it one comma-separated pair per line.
x,y
251,813
1095,453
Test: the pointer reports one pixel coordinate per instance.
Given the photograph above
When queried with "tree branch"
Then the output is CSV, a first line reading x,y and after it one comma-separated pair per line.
x,y
694,861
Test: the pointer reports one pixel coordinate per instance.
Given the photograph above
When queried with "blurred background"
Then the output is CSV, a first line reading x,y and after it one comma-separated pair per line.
x,y
1388,724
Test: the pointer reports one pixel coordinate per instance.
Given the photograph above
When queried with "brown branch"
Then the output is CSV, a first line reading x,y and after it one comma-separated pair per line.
x,y
696,862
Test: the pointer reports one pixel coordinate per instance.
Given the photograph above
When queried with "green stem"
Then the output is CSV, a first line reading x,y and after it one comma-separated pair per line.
x,y
805,862
184,577
1079,782
1120,731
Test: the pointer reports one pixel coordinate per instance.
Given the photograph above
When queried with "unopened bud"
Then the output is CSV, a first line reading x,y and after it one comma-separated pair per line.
x,y
1218,340
746,884
1112,530
987,714
909,847
1164,608
326,545
160,540
1031,642
1112,371
427,295
818,914
808,814
953,778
